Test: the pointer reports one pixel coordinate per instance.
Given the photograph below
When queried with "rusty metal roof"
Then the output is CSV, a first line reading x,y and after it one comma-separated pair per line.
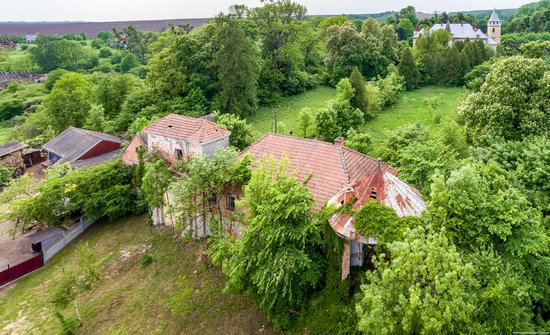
x,y
386,189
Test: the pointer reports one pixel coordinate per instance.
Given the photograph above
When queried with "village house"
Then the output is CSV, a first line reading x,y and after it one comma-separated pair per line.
x,y
465,31
82,148
335,175
328,167
7,78
176,138
6,43
30,38
11,155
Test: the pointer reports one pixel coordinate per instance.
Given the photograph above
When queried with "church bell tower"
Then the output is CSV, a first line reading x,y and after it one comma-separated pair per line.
x,y
494,26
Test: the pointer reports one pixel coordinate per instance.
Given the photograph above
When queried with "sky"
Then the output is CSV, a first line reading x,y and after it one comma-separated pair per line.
x,y
124,10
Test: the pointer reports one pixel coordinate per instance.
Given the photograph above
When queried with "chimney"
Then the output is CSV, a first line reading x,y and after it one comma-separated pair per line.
x,y
339,141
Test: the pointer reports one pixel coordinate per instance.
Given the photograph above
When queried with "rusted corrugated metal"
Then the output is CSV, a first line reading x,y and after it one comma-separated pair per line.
x,y
381,186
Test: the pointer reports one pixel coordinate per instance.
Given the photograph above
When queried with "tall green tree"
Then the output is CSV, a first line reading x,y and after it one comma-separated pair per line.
x,y
242,134
237,64
409,70
155,183
276,259
359,99
111,90
345,51
512,103
69,101
423,288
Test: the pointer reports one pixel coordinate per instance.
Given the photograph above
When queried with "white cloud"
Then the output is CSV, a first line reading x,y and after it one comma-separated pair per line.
x,y
120,10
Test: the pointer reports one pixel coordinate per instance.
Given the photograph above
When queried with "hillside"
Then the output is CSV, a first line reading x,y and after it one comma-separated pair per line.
x,y
129,299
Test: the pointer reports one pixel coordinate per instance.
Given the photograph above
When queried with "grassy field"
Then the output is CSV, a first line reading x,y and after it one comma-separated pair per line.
x,y
289,108
130,299
424,106
5,134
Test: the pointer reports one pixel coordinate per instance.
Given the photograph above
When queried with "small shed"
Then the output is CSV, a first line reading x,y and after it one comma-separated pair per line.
x,y
32,156
387,190
82,147
11,154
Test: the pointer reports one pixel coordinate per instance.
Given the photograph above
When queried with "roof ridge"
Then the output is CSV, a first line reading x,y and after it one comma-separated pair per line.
x,y
344,162
301,139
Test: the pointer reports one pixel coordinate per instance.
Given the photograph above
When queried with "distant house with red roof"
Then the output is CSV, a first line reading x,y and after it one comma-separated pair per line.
x,y
177,137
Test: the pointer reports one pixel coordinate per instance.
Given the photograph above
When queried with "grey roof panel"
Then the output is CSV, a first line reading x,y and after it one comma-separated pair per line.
x,y
10,147
97,160
494,16
74,142
460,30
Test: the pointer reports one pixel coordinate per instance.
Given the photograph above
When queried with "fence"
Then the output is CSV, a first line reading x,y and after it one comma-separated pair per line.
x,y
20,269
50,247
61,240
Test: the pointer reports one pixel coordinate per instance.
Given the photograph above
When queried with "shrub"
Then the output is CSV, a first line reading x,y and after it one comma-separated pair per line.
x,y
105,52
391,88
146,260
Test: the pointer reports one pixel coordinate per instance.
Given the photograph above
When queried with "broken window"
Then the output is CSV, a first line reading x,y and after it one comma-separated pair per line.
x,y
230,202
179,154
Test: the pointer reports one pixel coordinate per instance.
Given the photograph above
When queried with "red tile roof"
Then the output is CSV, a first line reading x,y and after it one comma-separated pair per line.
x,y
187,128
331,166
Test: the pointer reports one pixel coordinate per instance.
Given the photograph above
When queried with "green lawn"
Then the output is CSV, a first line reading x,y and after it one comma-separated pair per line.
x,y
288,110
129,299
413,108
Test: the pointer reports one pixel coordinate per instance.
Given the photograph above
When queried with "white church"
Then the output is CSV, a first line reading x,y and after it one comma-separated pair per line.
x,y
463,31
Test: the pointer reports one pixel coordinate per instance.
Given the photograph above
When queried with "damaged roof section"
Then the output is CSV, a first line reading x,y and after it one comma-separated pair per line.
x,y
381,186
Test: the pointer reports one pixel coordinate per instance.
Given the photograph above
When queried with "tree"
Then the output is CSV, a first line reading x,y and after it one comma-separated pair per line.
x,y
155,184
281,24
345,51
128,62
111,91
361,142
374,219
512,103
69,101
276,258
305,120
96,118
418,161
242,134
237,65
339,116
52,78
73,283
206,179
134,41
53,53
359,100
375,63
408,70
480,209
423,288
405,30
98,191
